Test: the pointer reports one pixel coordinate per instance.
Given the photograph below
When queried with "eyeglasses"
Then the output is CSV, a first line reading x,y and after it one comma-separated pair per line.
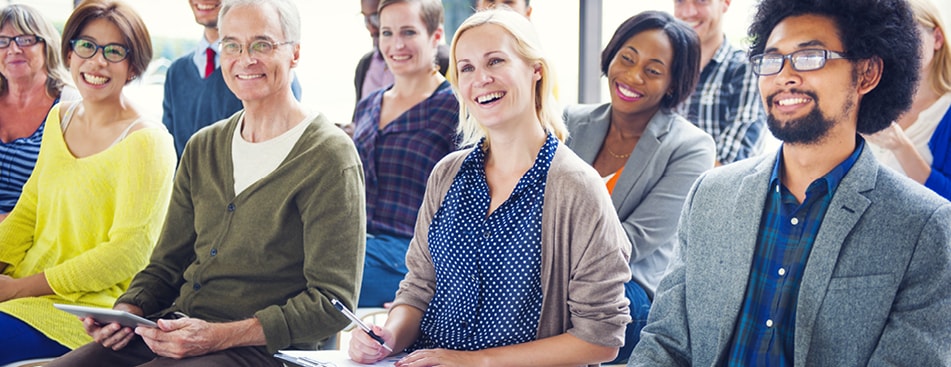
x,y
372,19
23,40
802,60
112,52
263,48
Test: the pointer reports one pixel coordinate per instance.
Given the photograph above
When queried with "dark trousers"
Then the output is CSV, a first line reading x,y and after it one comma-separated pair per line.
x,y
137,353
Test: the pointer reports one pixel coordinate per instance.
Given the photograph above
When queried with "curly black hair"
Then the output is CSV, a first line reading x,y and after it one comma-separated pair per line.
x,y
868,28
685,68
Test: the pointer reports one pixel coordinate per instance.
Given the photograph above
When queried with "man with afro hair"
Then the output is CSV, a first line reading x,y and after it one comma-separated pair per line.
x,y
815,255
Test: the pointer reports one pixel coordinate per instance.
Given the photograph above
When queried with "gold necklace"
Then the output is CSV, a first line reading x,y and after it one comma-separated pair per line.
x,y
615,155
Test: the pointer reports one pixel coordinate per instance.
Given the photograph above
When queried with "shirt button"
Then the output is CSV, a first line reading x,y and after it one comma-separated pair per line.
x,y
231,207
782,271
769,323
196,286
487,234
474,278
214,252
464,324
794,221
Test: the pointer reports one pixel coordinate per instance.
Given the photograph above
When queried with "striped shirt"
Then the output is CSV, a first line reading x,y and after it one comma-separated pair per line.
x,y
17,159
727,105
765,329
397,160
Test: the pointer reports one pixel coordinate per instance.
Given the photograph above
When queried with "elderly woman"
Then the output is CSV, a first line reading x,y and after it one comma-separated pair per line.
x,y
32,80
518,258
919,142
647,155
265,225
91,212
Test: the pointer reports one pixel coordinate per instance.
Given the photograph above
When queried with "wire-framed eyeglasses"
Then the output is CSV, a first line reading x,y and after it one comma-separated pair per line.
x,y
260,47
23,40
802,60
86,49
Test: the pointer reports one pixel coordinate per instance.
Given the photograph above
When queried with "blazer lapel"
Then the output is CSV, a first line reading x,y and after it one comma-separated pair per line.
x,y
642,156
847,207
744,230
592,129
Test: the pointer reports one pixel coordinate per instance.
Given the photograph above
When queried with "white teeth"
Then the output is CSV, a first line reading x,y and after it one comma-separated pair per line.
x,y
97,80
628,93
248,77
489,97
791,101
693,24
400,58
206,6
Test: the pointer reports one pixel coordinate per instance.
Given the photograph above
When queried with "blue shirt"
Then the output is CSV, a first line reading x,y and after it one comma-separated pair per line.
x,y
17,159
488,268
765,329
397,159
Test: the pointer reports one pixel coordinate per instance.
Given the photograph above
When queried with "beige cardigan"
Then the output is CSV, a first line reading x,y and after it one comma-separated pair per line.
x,y
584,252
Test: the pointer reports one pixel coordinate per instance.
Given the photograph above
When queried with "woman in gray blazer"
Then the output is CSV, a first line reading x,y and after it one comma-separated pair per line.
x,y
648,155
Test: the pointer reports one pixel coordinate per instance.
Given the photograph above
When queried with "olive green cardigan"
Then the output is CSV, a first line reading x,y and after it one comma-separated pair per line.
x,y
279,251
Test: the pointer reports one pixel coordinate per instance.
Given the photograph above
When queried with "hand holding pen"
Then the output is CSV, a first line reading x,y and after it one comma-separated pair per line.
x,y
369,332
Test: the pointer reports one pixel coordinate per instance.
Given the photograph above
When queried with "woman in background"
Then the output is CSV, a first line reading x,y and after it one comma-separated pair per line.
x,y
647,155
518,258
92,210
401,132
919,143
32,80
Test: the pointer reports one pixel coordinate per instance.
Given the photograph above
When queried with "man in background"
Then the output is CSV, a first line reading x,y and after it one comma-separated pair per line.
x,y
195,92
726,103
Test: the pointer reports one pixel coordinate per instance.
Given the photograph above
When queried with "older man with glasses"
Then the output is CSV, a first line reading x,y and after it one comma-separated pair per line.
x,y
815,255
266,224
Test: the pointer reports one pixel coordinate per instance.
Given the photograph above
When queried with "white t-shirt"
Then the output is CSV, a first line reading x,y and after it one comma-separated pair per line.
x,y
254,161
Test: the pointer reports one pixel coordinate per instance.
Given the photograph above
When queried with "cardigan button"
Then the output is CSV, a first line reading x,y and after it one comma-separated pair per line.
x,y
231,207
214,252
196,286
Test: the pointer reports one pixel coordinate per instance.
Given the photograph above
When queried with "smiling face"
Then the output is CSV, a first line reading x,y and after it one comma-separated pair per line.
x,y
494,82
804,106
257,77
96,78
206,12
639,74
21,63
406,46
704,16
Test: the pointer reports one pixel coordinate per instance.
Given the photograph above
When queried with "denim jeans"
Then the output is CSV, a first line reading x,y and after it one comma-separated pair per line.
x,y
19,341
640,307
383,269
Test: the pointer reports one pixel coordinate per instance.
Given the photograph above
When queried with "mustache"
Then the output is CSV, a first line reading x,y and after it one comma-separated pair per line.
x,y
811,94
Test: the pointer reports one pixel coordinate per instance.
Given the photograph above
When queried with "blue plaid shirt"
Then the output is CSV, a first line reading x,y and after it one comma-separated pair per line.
x,y
727,105
765,329
397,160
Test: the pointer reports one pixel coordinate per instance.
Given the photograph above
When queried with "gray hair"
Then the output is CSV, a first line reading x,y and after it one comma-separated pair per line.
x,y
286,10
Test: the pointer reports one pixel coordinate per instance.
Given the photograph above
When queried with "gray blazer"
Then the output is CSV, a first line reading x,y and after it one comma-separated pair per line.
x,y
876,289
650,193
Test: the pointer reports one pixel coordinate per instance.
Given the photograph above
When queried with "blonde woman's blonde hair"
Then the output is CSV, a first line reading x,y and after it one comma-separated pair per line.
x,y
927,15
528,46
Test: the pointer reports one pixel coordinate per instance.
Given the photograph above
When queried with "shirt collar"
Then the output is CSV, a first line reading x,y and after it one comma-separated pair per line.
x,y
831,179
723,52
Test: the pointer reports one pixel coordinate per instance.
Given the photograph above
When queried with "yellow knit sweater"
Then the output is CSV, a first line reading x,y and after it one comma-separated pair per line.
x,y
90,224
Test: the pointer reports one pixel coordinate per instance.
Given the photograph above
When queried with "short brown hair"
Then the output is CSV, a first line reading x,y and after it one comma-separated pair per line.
x,y
125,18
430,11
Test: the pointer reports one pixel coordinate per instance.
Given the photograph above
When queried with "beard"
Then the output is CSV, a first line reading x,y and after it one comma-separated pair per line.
x,y
809,129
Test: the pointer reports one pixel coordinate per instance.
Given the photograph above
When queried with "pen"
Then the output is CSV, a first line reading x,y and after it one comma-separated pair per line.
x,y
346,312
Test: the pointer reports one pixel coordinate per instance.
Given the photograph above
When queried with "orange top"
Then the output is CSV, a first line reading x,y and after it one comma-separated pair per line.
x,y
613,180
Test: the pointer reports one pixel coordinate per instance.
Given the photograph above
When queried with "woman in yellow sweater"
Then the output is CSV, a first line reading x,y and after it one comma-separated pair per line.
x,y
90,213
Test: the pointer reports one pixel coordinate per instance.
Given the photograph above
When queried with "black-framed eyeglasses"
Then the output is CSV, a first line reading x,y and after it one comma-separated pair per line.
x,y
802,60
86,49
23,40
260,47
